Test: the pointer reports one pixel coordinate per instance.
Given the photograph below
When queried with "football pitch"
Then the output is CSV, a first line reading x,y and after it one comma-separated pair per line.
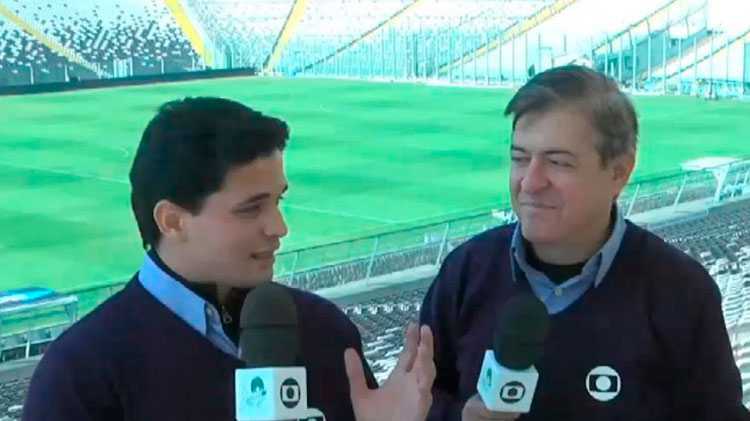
x,y
363,158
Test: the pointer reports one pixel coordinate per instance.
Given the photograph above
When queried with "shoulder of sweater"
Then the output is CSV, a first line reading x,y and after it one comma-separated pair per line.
x,y
487,242
105,323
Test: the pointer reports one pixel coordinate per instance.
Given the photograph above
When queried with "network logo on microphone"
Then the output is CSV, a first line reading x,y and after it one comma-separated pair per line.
x,y
257,393
512,392
290,393
603,383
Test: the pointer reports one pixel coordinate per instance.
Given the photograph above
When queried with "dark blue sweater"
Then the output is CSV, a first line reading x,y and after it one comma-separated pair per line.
x,y
133,359
656,320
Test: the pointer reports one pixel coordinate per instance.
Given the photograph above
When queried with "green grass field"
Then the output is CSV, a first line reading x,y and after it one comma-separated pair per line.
x,y
364,158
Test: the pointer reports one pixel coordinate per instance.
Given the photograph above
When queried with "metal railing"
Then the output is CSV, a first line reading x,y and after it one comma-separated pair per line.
x,y
327,265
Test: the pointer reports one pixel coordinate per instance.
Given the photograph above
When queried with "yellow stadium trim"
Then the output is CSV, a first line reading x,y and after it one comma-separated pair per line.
x,y
296,13
189,30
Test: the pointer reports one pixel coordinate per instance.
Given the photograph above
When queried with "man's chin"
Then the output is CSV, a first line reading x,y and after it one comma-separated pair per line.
x,y
540,235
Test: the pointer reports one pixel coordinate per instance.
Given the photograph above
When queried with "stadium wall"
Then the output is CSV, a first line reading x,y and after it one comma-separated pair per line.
x,y
74,85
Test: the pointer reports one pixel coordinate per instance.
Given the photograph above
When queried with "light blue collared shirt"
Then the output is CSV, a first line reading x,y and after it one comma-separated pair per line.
x,y
194,310
558,297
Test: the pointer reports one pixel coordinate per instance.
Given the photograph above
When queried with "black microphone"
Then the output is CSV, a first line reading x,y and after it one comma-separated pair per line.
x,y
508,379
269,330
274,384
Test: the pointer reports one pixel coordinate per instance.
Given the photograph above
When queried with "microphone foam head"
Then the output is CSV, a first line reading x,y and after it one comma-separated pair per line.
x,y
269,331
522,328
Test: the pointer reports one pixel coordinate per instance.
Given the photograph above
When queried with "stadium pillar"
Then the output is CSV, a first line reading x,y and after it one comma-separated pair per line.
x,y
393,53
450,54
648,59
294,267
633,199
476,60
634,46
526,54
619,63
695,60
499,60
720,174
461,50
711,66
679,192
746,69
679,66
726,53
382,55
486,59
372,257
436,55
443,242
664,42
513,62
540,68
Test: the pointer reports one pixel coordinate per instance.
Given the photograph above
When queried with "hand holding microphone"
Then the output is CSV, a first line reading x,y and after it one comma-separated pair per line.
x,y
507,380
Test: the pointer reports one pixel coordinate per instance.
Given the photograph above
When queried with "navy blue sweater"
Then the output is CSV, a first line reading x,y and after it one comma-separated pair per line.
x,y
656,320
133,359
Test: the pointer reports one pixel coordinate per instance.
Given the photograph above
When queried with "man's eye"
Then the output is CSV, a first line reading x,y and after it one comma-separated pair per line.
x,y
560,163
249,210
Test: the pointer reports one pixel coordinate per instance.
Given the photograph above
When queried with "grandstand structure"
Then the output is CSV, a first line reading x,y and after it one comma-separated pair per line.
x,y
676,47
693,47
380,282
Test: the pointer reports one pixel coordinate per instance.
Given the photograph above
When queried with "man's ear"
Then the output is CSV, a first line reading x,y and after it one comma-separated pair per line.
x,y
171,220
622,169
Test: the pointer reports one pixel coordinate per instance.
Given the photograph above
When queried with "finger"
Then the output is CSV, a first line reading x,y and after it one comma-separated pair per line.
x,y
428,341
425,364
406,359
475,409
355,373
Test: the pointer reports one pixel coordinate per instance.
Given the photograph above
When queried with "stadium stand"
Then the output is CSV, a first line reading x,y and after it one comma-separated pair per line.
x,y
138,31
245,31
14,382
428,36
720,240
22,59
322,30
420,39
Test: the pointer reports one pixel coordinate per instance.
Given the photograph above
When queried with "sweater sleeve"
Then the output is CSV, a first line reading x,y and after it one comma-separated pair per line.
x,y
68,387
439,311
705,378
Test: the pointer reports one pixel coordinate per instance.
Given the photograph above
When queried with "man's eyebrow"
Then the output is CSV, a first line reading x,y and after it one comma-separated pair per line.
x,y
260,196
546,152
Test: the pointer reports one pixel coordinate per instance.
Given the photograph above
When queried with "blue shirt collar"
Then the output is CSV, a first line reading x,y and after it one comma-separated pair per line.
x,y
185,303
597,265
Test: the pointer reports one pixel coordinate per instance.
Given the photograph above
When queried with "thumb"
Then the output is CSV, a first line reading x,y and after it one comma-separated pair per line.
x,y
354,371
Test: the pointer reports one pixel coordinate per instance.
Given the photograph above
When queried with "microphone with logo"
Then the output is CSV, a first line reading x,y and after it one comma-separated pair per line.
x,y
273,386
508,378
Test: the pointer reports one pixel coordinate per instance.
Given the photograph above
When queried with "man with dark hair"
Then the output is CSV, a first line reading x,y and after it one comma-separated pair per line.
x,y
621,301
207,180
